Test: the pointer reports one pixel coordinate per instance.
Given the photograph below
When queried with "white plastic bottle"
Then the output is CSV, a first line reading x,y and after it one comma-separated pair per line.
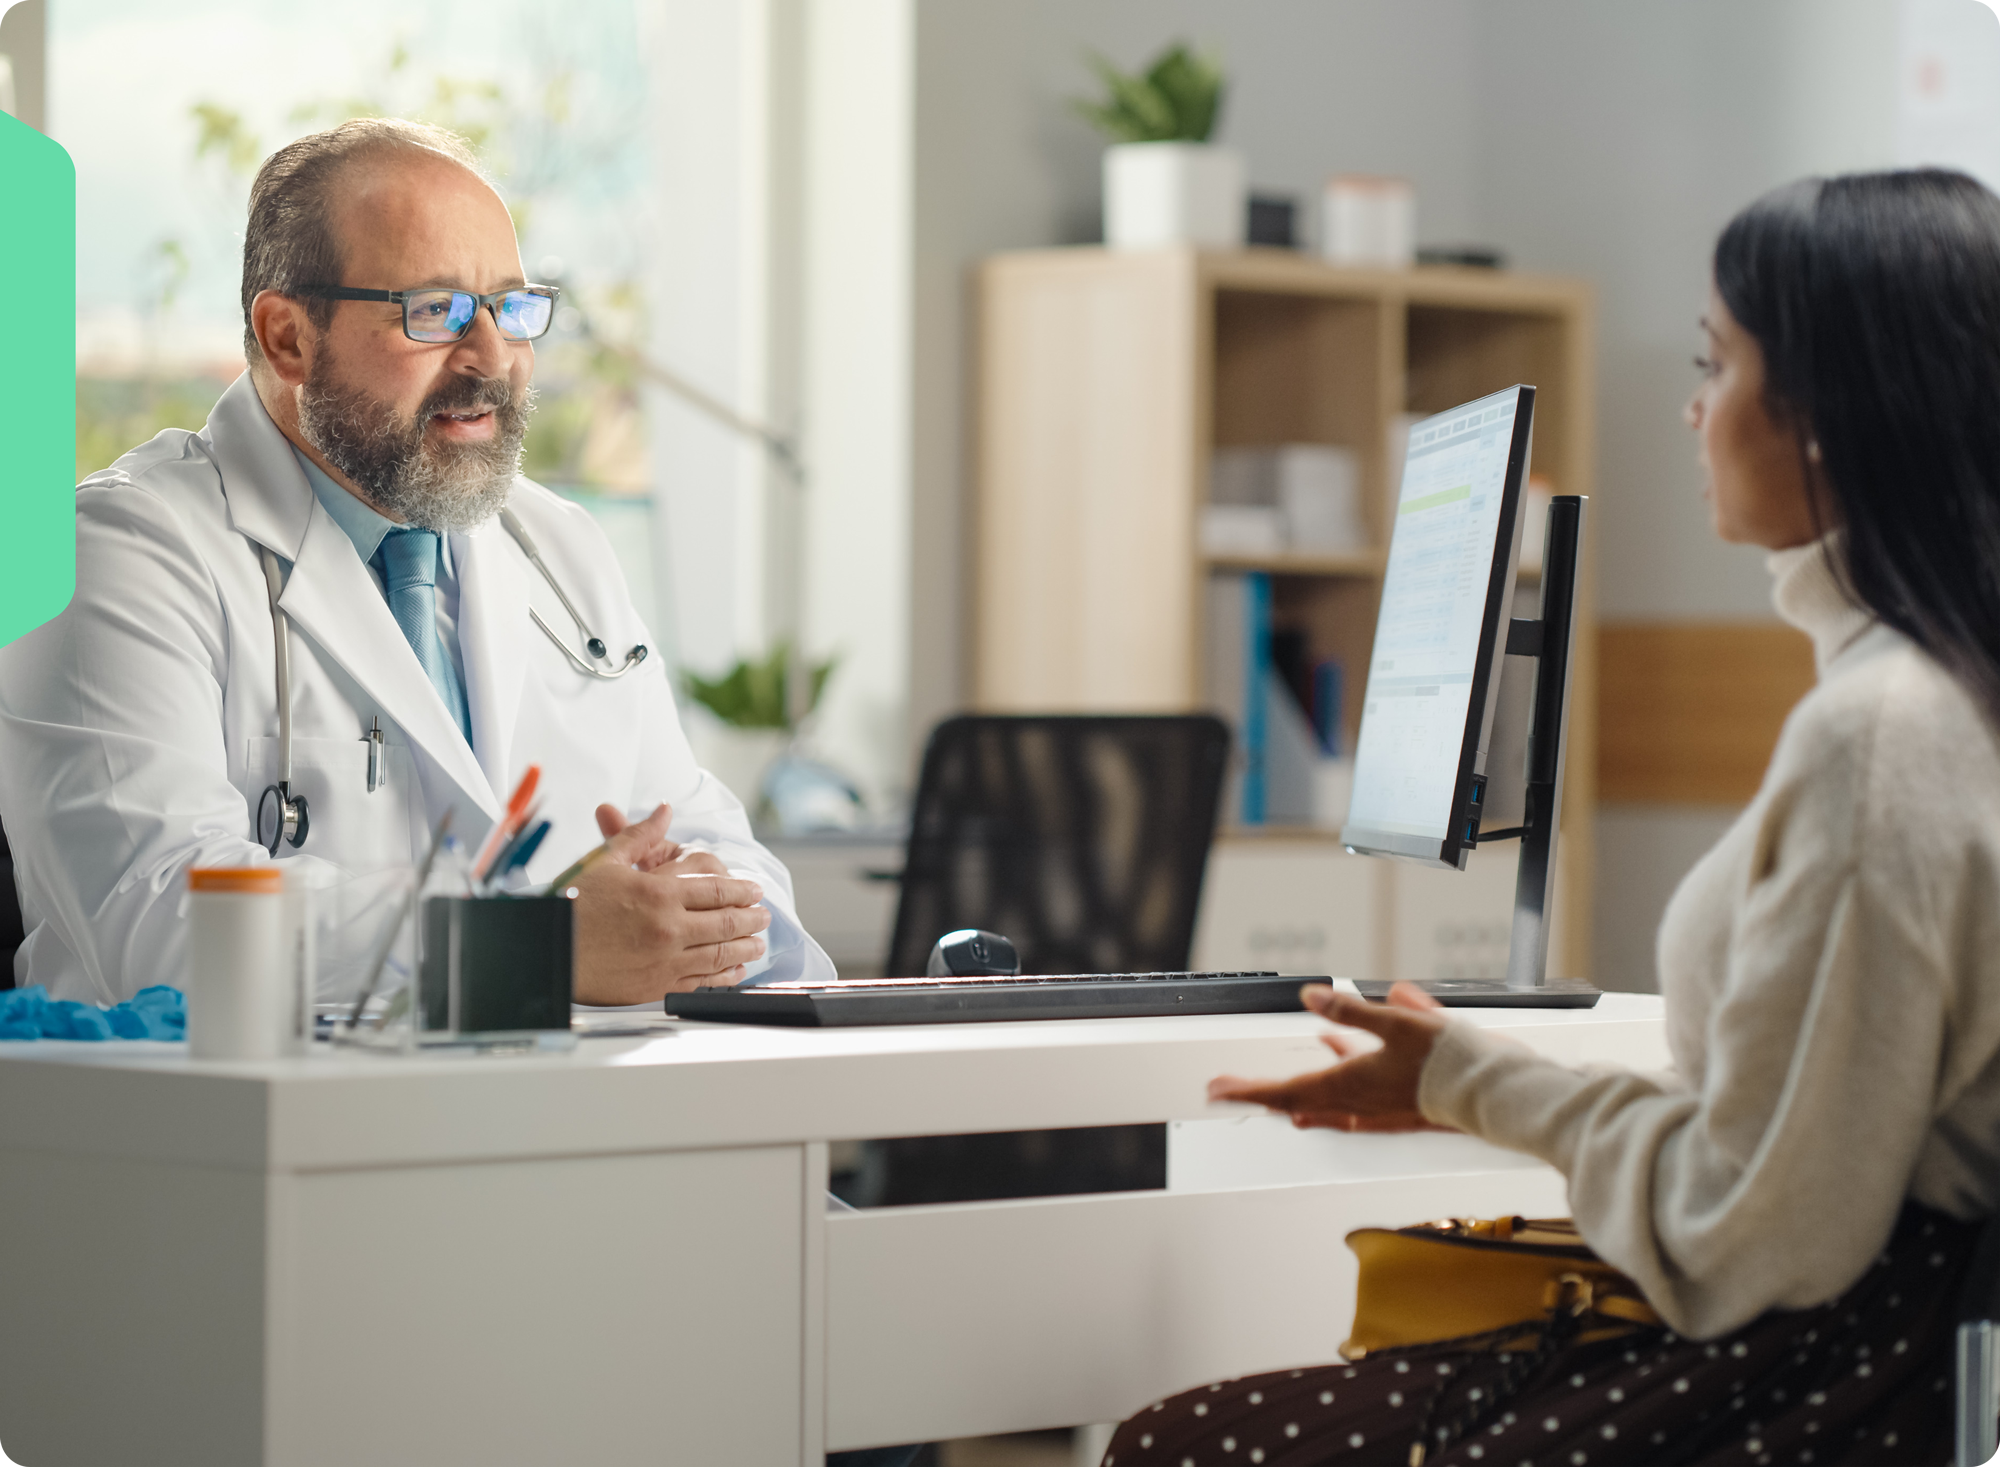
x,y
241,986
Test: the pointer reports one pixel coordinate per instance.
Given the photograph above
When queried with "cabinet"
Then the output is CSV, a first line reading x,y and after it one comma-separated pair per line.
x,y
1105,380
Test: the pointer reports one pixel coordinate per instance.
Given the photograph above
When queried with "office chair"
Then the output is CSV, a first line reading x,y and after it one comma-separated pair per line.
x,y
12,930
1084,839
1976,1387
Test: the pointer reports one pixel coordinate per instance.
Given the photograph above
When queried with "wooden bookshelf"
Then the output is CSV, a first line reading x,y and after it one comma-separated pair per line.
x,y
1106,379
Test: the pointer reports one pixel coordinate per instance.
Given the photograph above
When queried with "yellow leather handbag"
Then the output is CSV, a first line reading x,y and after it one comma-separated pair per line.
x,y
1462,1278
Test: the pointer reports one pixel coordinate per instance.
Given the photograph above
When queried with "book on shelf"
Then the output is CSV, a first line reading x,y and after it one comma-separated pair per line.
x,y
1284,711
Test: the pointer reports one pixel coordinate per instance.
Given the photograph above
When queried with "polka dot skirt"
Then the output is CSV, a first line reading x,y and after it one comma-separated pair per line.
x,y
1863,1380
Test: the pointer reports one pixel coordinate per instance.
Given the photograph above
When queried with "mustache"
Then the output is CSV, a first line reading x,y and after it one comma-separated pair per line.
x,y
468,394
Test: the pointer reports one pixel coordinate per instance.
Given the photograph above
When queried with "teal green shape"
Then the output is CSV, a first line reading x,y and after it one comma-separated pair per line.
x,y
37,379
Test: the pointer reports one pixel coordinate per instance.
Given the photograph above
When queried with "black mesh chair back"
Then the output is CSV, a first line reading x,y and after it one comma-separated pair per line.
x,y
1081,838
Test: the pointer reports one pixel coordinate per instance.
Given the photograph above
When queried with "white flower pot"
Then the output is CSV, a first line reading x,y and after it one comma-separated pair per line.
x,y
739,757
1159,194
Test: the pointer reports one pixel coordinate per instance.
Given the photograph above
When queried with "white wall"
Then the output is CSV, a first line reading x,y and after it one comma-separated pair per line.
x,y
1617,141
705,300
859,58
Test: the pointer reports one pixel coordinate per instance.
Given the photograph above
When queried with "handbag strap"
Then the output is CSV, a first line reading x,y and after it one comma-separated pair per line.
x,y
1572,1299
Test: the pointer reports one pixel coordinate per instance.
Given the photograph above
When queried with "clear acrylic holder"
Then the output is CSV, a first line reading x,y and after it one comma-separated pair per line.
x,y
470,974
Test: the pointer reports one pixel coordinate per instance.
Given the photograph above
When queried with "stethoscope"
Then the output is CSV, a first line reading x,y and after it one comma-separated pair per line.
x,y
283,817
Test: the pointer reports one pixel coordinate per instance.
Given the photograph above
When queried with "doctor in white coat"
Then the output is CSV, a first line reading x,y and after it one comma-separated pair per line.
x,y
360,467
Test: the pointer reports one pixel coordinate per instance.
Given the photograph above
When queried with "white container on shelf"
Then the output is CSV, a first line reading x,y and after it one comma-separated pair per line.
x,y
1318,491
1298,496
1247,530
1158,194
1369,220
243,963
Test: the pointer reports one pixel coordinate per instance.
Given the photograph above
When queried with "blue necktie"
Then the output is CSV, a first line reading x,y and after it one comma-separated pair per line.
x,y
408,561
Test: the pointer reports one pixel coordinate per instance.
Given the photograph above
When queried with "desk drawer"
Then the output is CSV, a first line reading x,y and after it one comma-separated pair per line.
x,y
959,1321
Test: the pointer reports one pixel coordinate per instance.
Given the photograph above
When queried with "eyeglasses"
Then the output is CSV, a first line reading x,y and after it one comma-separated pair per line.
x,y
439,314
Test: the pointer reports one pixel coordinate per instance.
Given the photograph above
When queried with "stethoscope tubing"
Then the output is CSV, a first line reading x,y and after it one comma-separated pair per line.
x,y
592,643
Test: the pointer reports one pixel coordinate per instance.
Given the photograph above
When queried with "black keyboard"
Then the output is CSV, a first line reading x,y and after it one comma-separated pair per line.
x,y
973,1000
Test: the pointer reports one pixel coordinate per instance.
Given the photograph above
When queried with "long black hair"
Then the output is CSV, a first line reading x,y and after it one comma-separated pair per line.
x,y
1876,300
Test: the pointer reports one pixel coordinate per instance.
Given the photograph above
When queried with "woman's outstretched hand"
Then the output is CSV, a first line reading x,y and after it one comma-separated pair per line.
x,y
1373,1088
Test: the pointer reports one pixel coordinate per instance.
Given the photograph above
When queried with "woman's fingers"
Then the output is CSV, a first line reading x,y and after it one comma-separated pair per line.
x,y
1250,1092
1373,1087
1407,995
1343,1046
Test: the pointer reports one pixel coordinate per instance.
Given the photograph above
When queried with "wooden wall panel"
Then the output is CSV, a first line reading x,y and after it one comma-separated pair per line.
x,y
1688,712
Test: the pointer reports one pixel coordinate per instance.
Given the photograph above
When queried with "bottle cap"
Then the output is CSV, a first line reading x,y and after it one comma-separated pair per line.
x,y
260,880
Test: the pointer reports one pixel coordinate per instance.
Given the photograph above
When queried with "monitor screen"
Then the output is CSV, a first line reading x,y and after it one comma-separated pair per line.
x,y
1438,637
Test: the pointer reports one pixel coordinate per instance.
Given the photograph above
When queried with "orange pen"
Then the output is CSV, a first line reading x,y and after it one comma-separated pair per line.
x,y
504,828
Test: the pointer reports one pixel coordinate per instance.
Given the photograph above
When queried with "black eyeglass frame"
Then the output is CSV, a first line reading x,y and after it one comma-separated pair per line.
x,y
402,298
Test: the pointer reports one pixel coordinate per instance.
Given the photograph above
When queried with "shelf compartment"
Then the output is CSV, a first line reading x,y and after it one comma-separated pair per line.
x,y
1302,369
1456,355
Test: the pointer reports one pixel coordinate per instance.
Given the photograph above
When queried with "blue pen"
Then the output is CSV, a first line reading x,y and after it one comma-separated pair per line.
x,y
524,851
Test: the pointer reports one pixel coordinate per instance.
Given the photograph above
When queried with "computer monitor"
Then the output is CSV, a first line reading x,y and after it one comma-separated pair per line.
x,y
1420,775
1420,761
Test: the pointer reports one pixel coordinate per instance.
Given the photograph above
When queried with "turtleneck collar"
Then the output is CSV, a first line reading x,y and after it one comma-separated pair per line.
x,y
1808,594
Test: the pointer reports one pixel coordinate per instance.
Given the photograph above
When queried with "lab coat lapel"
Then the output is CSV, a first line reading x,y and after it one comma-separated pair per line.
x,y
333,599
492,642
268,497
330,596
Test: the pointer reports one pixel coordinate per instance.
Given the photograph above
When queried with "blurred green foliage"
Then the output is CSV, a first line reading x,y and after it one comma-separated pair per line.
x,y
116,414
752,693
1176,99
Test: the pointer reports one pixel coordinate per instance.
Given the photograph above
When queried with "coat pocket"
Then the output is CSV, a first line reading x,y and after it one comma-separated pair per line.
x,y
349,825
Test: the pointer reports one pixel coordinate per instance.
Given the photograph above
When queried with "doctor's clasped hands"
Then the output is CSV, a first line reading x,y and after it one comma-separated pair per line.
x,y
655,916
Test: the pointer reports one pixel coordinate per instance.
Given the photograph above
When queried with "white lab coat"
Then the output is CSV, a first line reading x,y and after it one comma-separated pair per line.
x,y
138,729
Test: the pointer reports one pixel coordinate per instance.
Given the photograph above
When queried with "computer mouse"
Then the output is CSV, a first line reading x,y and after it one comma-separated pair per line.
x,y
970,953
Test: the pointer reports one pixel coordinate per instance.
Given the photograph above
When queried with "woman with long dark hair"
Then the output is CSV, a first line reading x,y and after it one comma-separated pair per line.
x,y
1799,1198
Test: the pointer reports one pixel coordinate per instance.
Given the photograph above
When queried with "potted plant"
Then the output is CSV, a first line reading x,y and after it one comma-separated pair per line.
x,y
1164,182
751,743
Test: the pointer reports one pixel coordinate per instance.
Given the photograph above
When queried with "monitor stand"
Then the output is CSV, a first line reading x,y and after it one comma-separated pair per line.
x,y
1551,642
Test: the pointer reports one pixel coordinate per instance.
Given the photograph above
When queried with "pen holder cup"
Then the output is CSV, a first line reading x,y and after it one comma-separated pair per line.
x,y
496,965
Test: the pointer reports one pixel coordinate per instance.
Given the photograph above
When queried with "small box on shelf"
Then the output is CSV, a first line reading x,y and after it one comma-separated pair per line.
x,y
1303,498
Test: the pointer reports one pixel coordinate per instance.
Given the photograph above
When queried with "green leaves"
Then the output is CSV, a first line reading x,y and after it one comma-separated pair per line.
x,y
223,132
1175,100
752,694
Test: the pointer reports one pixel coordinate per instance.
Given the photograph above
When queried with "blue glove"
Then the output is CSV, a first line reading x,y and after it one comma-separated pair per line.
x,y
158,1012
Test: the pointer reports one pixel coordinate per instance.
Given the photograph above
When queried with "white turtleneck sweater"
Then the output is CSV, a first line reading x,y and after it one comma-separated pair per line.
x,y
1831,974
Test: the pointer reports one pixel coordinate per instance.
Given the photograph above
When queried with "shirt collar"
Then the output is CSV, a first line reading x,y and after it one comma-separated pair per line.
x,y
361,523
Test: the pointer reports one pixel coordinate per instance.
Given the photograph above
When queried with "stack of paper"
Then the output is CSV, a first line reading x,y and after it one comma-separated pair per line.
x,y
1298,497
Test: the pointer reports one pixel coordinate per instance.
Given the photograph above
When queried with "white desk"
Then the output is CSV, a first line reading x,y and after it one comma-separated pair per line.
x,y
624,1255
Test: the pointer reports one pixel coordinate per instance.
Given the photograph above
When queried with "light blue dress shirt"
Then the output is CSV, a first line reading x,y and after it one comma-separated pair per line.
x,y
365,527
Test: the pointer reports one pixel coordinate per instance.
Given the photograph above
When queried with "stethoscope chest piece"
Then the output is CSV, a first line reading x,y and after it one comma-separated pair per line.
x,y
282,818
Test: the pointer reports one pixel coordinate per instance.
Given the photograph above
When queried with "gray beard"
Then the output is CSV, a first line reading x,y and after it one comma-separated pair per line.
x,y
443,487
